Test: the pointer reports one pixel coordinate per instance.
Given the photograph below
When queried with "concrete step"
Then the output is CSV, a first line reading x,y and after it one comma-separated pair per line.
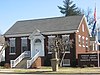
x,y
23,63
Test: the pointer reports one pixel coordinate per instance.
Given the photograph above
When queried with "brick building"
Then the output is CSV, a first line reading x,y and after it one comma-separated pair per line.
x,y
29,40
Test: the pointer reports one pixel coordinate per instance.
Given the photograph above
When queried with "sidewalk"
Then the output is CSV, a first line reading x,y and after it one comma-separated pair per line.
x,y
65,70
6,71
24,71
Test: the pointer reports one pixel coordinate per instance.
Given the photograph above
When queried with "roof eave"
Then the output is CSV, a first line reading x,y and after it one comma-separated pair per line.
x,y
16,35
44,33
59,32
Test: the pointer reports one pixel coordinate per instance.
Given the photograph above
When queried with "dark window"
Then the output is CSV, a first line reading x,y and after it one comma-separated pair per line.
x,y
24,44
12,45
66,42
51,43
37,41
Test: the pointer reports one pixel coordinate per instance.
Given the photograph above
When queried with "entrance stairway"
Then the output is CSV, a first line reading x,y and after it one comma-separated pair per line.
x,y
24,60
23,63
20,59
2,49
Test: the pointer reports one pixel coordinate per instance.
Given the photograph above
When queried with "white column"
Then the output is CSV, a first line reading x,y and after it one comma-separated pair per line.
x,y
31,47
93,47
96,39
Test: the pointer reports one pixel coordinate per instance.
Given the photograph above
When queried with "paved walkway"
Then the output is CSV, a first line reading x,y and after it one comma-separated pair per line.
x,y
6,71
37,71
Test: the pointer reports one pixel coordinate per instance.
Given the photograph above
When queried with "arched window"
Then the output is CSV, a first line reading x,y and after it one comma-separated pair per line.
x,y
37,41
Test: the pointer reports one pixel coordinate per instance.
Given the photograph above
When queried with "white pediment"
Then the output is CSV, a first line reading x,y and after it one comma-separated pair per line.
x,y
36,33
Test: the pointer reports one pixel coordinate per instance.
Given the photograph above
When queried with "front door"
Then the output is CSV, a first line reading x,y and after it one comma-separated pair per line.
x,y
37,46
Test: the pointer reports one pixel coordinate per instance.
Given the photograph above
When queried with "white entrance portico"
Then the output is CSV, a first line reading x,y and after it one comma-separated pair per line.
x,y
37,44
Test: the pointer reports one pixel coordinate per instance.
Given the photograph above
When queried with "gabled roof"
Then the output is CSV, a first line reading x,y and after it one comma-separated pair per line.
x,y
45,25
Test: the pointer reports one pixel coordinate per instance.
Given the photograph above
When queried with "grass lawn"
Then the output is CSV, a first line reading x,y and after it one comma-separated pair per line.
x,y
62,70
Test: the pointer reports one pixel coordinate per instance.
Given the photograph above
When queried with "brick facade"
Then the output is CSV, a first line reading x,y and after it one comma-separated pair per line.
x,y
85,33
76,49
9,56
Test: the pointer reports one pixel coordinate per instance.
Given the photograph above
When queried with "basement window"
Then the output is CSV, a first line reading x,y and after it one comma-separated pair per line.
x,y
66,62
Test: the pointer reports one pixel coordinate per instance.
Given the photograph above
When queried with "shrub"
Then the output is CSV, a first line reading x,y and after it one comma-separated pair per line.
x,y
92,65
7,65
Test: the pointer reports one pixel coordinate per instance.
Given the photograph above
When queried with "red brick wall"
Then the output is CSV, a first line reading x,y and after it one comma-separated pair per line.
x,y
37,63
9,57
81,49
71,55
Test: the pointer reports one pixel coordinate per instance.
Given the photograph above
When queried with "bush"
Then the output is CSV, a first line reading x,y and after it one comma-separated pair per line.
x,y
7,65
84,66
92,65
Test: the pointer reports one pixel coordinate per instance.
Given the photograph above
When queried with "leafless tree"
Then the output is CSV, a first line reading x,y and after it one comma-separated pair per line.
x,y
89,16
60,44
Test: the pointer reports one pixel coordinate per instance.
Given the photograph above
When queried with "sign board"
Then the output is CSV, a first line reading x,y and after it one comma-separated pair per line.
x,y
88,59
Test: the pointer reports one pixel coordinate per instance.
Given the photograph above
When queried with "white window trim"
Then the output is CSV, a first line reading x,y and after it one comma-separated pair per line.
x,y
83,27
83,41
61,52
77,30
64,64
86,46
10,48
80,45
79,40
23,38
86,38
68,40
83,45
51,36
12,53
65,35
66,52
86,41
50,52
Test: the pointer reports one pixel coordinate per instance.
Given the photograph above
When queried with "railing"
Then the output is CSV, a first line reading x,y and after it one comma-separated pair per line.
x,y
1,51
18,59
29,62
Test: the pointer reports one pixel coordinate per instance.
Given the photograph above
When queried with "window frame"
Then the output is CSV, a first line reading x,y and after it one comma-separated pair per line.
x,y
26,43
68,36
79,40
83,27
14,45
66,64
50,38
83,39
86,42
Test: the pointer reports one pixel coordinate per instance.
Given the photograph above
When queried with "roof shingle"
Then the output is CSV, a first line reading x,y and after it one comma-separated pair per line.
x,y
45,25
